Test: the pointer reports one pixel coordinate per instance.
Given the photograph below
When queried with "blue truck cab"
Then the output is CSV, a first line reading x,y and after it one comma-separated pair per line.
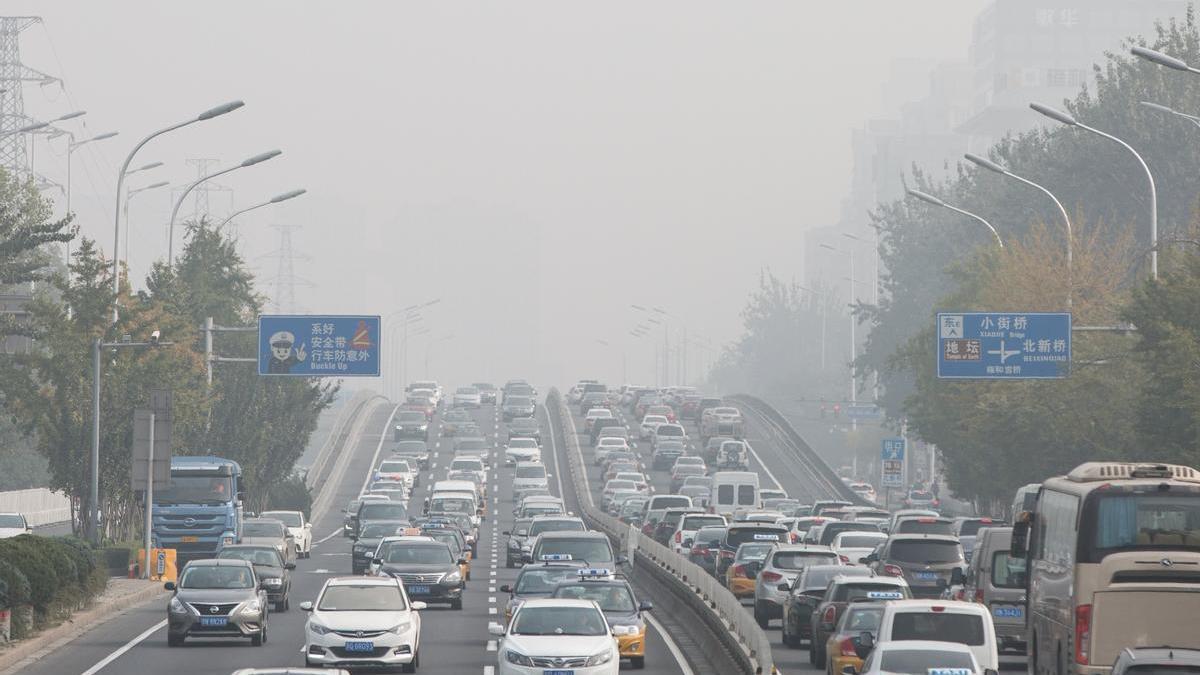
x,y
201,510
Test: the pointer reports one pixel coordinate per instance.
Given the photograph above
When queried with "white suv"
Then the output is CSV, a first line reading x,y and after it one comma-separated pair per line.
x,y
297,526
367,620
650,424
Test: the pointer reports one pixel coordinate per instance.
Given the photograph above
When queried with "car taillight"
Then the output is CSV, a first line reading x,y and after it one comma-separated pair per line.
x,y
771,577
979,595
700,550
739,570
678,537
845,559
727,554
830,615
893,571
847,647
1083,633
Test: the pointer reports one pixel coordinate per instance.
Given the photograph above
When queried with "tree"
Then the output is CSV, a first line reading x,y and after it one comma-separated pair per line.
x,y
27,231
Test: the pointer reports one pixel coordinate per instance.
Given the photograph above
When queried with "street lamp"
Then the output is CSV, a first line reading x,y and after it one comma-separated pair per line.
x,y
144,167
72,146
1162,59
1171,111
93,524
250,161
129,195
928,198
274,200
206,115
399,349
1064,118
994,167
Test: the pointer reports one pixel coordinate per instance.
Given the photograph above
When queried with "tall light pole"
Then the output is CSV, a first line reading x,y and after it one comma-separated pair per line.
x,y
128,196
824,306
72,146
930,199
853,324
1064,118
249,161
399,349
206,115
1171,111
996,168
273,200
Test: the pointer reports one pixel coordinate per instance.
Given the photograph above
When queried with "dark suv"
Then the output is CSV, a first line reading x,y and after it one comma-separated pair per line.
x,y
926,561
428,569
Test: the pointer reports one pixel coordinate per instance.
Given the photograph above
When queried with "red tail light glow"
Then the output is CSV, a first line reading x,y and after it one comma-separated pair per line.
x,y
1083,633
678,537
847,647
739,570
845,560
830,615
772,577
893,571
979,595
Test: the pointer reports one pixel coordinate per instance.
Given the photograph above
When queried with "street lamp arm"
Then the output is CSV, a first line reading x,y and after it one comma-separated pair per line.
x,y
1153,193
980,219
179,202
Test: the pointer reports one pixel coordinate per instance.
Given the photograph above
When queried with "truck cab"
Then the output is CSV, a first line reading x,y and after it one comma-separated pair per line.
x,y
201,509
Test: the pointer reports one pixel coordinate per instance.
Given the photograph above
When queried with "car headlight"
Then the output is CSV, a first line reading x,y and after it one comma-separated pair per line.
x,y
513,543
252,607
274,582
318,628
400,628
361,549
627,629
452,579
177,607
600,659
518,658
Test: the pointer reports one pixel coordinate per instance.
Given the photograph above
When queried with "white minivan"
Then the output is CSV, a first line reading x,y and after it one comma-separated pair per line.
x,y
732,490
966,623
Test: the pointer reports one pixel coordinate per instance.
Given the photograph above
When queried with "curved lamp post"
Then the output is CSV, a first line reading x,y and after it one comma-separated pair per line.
x,y
274,200
930,199
251,161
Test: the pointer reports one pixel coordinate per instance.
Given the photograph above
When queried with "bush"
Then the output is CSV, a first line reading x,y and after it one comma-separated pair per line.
x,y
54,575
92,575
31,555
16,594
291,494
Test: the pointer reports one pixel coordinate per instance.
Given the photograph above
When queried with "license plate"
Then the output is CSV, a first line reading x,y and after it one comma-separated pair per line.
x,y
189,539
925,576
558,672
359,647
1008,612
418,590
214,621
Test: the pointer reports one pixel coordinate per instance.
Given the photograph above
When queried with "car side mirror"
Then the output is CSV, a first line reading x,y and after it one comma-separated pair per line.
x,y
170,585
957,578
785,586
495,629
462,561
306,606
645,606
863,644
289,566
622,560
506,589
849,670
418,605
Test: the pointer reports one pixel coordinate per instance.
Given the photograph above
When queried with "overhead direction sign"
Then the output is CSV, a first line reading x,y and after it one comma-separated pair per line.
x,y
1003,345
318,345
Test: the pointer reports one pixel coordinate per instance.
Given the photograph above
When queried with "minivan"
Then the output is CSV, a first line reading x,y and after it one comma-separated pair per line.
x,y
945,621
997,582
732,490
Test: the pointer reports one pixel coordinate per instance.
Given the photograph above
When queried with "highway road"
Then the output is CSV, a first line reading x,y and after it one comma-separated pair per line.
x,y
452,642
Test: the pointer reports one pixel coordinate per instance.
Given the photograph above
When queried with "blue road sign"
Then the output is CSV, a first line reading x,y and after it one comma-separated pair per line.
x,y
863,411
893,449
318,346
1003,345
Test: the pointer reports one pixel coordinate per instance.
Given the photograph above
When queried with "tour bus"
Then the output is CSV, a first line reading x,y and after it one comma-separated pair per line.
x,y
732,490
1112,560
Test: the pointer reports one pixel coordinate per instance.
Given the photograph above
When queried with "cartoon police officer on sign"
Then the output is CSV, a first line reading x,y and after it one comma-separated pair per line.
x,y
283,357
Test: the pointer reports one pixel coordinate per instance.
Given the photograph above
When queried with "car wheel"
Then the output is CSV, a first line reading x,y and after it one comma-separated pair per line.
x,y
258,639
820,656
812,652
456,604
760,615
174,640
637,662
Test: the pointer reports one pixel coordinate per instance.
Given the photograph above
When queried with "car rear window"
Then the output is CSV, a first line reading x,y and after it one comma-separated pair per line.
x,y
926,526
531,472
957,627
1006,571
798,560
667,502
697,522
859,541
747,495
970,528
918,551
847,592
538,527
832,530
736,536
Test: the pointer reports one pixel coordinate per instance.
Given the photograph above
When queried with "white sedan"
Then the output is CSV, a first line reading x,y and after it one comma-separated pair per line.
x,y
297,526
557,635
650,425
378,615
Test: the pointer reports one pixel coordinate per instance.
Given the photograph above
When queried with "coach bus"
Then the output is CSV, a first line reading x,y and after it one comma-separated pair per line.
x,y
1112,560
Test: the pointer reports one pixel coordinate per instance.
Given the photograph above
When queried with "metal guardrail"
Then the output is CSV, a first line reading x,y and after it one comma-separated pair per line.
x,y
820,472
727,610
318,472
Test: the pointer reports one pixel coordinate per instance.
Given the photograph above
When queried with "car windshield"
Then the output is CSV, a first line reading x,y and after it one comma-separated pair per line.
x,y
709,535
753,552
410,417
540,526
286,517
925,551
689,470
260,529
258,555
798,560
12,520
383,511
466,465
214,576
611,597
967,629
410,446
522,443
194,489
691,522
517,400
543,580
559,621
380,530
862,619
365,598
859,541
922,661
393,467
925,526
531,472
402,553
593,551
451,505
447,537
620,485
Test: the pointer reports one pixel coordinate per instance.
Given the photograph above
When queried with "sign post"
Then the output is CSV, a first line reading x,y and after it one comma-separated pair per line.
x,y
1003,345
318,346
151,457
891,462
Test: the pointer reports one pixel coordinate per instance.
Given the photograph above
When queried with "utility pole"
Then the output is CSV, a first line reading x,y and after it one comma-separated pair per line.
x,y
14,148
204,166
285,280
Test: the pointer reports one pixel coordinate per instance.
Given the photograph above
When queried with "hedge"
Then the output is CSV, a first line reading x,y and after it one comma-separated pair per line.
x,y
56,575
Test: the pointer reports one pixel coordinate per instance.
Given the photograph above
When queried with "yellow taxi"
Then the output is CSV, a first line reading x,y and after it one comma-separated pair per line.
x,y
742,572
619,604
841,649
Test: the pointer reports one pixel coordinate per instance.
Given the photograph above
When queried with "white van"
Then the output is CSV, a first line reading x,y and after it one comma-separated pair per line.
x,y
732,490
966,623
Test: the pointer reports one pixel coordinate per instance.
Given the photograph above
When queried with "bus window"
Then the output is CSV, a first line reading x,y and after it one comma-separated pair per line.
x,y
747,495
1145,520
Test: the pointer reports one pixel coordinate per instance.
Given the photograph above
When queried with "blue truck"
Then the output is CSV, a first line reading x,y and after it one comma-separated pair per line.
x,y
201,510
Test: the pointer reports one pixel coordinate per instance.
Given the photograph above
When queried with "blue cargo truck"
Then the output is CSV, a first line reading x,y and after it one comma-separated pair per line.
x,y
201,510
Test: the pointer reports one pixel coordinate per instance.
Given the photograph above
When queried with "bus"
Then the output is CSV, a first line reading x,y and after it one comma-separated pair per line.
x,y
1112,560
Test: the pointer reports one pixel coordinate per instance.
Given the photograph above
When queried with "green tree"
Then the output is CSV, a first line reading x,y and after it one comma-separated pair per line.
x,y
27,232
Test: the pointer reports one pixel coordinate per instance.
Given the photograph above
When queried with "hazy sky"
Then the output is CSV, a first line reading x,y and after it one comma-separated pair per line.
x,y
536,165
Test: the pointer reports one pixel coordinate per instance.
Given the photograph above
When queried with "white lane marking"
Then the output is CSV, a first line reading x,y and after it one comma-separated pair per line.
x,y
124,648
379,448
671,646
554,453
320,571
491,589
491,598
491,646
489,670
778,485
331,535
491,610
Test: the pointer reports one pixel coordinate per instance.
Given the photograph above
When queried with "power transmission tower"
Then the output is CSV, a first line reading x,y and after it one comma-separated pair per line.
x,y
14,150
204,166
285,280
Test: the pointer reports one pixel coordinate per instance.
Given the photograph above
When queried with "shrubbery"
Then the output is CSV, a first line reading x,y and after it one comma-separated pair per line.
x,y
56,575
